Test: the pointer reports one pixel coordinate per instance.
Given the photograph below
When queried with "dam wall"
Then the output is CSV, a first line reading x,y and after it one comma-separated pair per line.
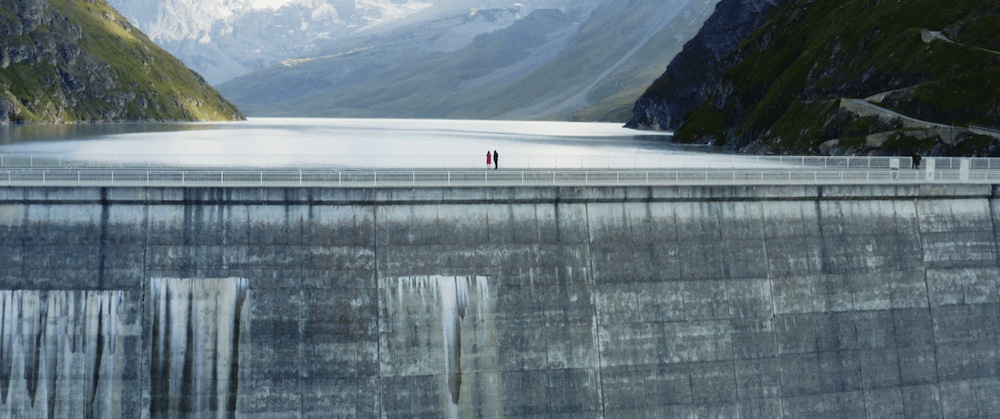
x,y
590,302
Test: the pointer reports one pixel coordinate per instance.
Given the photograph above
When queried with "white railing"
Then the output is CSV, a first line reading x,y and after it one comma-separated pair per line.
x,y
428,178
517,162
985,128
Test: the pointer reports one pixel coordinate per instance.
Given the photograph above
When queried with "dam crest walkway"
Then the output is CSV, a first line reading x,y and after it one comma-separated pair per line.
x,y
750,171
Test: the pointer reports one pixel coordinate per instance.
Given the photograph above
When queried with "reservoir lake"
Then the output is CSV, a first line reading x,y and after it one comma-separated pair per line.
x,y
361,143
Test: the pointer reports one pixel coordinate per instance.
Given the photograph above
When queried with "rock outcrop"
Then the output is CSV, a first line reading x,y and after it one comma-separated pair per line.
x,y
63,61
689,76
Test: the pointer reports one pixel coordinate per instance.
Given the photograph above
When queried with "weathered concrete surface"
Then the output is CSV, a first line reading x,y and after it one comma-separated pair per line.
x,y
524,302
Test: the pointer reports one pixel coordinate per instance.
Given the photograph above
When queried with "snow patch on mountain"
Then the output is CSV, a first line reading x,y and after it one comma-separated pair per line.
x,y
223,39
269,4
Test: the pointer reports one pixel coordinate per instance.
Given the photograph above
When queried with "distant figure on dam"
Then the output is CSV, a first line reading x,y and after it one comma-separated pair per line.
x,y
916,161
489,159
496,160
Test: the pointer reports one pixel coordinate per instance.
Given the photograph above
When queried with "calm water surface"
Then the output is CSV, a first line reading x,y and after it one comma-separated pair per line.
x,y
374,143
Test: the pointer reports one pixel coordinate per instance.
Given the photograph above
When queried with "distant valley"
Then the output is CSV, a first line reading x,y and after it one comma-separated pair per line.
x,y
588,61
542,59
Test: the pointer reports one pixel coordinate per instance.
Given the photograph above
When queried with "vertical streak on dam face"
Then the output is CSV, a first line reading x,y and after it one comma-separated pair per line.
x,y
59,353
454,299
423,301
195,345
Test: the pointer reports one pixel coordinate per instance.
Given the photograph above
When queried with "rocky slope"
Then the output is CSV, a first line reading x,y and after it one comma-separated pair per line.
x,y
588,60
842,77
687,80
80,61
225,39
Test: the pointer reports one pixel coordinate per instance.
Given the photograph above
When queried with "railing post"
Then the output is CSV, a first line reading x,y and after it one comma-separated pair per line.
x,y
222,178
300,178
43,178
182,178
147,178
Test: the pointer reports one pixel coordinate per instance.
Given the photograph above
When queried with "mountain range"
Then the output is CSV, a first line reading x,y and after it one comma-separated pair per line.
x,y
836,77
224,39
80,61
582,60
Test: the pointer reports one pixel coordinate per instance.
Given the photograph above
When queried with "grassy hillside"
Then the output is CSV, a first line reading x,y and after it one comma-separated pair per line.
x,y
782,88
80,61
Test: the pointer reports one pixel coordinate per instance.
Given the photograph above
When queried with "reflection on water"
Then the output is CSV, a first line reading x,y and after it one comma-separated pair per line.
x,y
373,143
14,134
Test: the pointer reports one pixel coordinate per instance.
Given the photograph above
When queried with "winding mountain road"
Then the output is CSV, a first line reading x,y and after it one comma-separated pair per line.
x,y
864,107
929,36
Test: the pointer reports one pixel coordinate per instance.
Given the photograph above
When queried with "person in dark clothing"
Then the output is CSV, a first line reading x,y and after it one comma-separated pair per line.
x,y
916,161
496,160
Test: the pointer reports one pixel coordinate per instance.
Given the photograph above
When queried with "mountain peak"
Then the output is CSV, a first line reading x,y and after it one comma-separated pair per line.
x,y
223,39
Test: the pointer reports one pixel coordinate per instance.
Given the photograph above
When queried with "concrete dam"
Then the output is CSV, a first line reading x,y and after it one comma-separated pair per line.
x,y
576,302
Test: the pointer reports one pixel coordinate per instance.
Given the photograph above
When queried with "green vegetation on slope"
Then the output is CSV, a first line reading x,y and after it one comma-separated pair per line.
x,y
80,61
781,88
